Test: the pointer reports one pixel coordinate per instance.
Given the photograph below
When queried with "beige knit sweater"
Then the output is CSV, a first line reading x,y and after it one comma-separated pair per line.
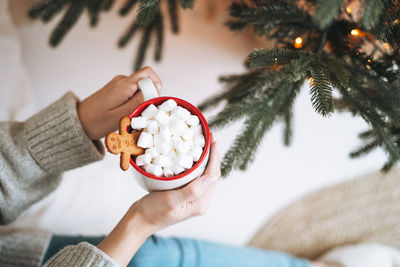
x,y
32,156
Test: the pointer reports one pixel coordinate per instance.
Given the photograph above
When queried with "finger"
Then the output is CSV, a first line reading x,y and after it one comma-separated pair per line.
x,y
213,166
130,105
201,205
118,77
147,72
195,189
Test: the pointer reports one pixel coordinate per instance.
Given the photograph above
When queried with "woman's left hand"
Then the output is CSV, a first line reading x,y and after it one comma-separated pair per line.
x,y
100,113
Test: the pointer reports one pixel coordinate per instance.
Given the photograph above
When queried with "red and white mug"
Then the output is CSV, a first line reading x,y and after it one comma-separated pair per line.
x,y
151,182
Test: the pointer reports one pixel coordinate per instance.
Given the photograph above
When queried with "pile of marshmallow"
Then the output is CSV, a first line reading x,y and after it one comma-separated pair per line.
x,y
172,138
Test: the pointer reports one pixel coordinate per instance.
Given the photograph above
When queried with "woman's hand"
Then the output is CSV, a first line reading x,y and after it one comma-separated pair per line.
x,y
158,210
100,113
162,209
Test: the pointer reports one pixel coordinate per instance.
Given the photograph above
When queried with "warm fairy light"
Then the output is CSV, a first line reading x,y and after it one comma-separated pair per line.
x,y
368,66
396,21
348,10
386,46
355,32
369,60
298,42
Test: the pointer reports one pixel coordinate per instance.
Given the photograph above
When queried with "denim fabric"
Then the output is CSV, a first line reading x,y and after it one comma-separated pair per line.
x,y
182,252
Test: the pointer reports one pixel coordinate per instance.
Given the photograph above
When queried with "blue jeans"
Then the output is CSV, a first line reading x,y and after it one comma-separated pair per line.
x,y
182,252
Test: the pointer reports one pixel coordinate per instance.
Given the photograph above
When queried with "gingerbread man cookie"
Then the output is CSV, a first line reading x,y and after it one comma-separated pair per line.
x,y
124,143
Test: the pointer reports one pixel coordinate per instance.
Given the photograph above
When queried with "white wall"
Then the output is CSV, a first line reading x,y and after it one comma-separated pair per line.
x,y
92,199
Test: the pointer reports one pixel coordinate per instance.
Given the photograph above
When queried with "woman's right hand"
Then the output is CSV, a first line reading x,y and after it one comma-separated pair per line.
x,y
162,209
158,210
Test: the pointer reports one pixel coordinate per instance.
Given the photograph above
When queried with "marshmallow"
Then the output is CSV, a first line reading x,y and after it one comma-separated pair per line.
x,y
154,169
187,134
168,105
162,145
152,127
163,161
197,129
182,147
178,127
172,154
153,152
193,120
196,153
138,123
199,140
175,139
172,119
162,117
184,161
177,169
172,137
143,159
181,113
165,133
145,140
150,111
168,172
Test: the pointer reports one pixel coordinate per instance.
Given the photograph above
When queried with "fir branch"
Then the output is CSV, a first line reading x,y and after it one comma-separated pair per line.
x,y
239,86
47,9
379,128
144,42
373,11
187,3
254,130
263,58
147,11
288,131
276,12
94,11
39,7
173,15
67,22
326,12
365,149
52,10
232,112
127,7
159,30
321,90
107,5
130,32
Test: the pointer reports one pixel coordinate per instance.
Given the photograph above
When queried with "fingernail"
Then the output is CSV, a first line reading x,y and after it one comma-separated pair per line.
x,y
158,85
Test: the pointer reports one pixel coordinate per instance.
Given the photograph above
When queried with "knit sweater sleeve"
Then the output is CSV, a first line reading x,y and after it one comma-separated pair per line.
x,y
33,154
83,254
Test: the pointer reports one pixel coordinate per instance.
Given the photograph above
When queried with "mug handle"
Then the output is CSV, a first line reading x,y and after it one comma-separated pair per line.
x,y
148,89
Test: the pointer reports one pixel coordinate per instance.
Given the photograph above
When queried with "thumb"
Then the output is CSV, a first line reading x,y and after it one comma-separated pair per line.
x,y
197,188
131,104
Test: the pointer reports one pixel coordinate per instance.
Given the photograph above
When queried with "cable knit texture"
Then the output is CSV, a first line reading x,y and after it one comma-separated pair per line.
x,y
32,156
365,209
56,138
83,254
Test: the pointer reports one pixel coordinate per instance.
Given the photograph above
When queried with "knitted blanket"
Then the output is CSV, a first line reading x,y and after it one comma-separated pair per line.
x,y
365,209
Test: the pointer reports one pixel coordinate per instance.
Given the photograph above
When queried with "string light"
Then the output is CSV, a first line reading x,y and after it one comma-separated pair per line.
x,y
368,66
348,10
369,60
396,21
298,42
355,32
